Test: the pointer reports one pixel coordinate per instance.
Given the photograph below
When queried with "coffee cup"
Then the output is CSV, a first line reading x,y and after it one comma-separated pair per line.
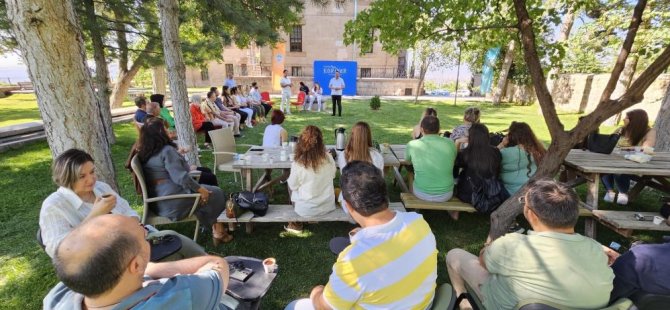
x,y
658,220
291,157
270,265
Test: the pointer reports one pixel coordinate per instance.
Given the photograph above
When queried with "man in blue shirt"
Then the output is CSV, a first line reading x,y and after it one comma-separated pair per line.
x,y
643,269
104,263
230,82
141,112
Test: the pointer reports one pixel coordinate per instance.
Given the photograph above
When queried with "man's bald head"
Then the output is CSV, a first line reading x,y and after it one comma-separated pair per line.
x,y
153,108
93,257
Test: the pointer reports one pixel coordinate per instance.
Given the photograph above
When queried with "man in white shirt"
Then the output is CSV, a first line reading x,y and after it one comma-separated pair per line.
x,y
336,86
285,84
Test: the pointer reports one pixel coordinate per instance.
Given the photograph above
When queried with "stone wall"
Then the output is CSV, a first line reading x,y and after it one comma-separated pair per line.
x,y
581,93
386,87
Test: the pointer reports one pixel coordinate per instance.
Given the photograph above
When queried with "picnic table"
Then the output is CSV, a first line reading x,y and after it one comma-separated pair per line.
x,y
591,166
254,161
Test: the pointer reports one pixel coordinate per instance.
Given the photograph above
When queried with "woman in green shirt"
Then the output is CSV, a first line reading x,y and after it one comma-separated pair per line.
x,y
521,153
165,113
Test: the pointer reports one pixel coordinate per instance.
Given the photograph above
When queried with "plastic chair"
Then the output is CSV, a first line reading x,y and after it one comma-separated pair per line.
x,y
265,98
646,301
224,148
301,99
148,216
445,298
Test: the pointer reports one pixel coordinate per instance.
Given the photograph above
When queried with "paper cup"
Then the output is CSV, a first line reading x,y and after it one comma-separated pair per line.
x,y
270,265
291,157
658,220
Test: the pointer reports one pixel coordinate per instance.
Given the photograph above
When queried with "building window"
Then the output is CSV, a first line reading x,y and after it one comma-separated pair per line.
x,y
229,69
366,72
204,74
243,69
296,39
296,71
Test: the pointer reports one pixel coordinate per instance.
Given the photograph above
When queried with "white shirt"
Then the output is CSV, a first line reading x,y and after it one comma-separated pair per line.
x,y
285,81
63,211
272,136
339,83
313,191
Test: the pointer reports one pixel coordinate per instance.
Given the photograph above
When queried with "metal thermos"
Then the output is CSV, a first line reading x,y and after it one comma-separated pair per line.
x,y
340,139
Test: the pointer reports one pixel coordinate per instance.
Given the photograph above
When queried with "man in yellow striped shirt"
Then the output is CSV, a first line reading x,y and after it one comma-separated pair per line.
x,y
392,260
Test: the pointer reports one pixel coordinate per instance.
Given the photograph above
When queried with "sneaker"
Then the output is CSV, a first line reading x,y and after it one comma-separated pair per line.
x,y
609,196
622,199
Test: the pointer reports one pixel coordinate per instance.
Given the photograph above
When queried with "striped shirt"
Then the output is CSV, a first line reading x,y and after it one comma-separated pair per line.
x,y
389,266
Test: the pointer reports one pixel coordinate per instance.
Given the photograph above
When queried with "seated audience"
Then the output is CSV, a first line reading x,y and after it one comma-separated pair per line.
x,y
552,263
104,264
460,134
141,111
200,123
255,96
416,132
81,197
167,173
644,269
153,109
275,134
311,178
212,112
256,105
242,107
228,115
477,162
635,132
521,153
230,104
433,160
165,113
303,88
391,262
316,95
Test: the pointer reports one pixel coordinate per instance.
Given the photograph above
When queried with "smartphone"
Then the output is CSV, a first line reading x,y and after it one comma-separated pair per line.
x,y
241,275
106,196
256,149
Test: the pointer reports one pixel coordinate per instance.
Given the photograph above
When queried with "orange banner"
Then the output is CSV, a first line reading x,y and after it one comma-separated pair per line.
x,y
278,64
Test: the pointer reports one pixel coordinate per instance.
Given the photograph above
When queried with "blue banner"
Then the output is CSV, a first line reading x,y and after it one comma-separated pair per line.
x,y
324,70
487,70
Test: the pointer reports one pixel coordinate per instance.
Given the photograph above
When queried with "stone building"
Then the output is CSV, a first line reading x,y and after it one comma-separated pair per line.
x,y
318,37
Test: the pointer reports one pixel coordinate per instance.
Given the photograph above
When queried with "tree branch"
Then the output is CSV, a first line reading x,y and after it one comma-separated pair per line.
x,y
134,50
625,50
113,20
535,68
131,31
451,30
122,42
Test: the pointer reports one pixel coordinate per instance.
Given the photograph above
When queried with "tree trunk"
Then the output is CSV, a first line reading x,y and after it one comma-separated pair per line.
x,y
422,76
504,72
120,89
52,47
412,64
158,79
101,71
174,60
662,124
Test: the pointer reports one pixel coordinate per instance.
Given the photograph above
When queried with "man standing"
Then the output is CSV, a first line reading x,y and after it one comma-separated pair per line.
x,y
391,261
104,263
433,159
552,263
336,86
230,82
285,84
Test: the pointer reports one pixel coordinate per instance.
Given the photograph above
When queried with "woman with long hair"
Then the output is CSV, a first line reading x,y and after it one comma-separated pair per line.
x,y
416,132
635,132
477,162
80,197
242,106
460,134
311,178
200,122
167,173
229,102
521,153
360,148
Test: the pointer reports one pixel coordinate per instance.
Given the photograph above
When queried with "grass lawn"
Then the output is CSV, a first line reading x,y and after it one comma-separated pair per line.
x,y
26,274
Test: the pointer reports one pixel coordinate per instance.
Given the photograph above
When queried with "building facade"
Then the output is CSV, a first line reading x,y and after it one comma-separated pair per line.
x,y
319,36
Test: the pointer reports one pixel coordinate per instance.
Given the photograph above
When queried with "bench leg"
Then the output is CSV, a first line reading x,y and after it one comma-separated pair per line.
x,y
249,228
592,202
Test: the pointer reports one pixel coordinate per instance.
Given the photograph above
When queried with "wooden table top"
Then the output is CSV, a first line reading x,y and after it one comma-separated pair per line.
x,y
590,162
399,151
254,159
626,220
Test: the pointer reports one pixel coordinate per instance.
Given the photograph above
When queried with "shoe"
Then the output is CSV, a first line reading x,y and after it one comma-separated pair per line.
x,y
622,199
238,136
609,196
226,238
293,228
249,126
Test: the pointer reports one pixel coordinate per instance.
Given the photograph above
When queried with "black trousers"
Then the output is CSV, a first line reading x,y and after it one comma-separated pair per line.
x,y
207,177
267,107
337,101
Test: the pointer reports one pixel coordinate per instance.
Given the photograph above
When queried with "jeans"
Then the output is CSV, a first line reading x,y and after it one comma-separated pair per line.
x,y
622,182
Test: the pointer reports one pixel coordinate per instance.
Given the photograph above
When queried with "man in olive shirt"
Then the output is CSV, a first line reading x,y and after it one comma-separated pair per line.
x,y
552,263
433,159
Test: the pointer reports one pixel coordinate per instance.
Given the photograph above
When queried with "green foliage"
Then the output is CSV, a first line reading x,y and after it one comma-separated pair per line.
x,y
375,103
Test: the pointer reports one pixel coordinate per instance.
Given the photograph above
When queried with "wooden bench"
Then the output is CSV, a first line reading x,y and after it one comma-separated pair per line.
x,y
624,222
286,213
25,85
412,202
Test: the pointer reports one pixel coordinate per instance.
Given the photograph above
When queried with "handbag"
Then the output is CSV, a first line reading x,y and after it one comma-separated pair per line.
x,y
495,138
603,144
232,210
254,202
163,246
488,195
